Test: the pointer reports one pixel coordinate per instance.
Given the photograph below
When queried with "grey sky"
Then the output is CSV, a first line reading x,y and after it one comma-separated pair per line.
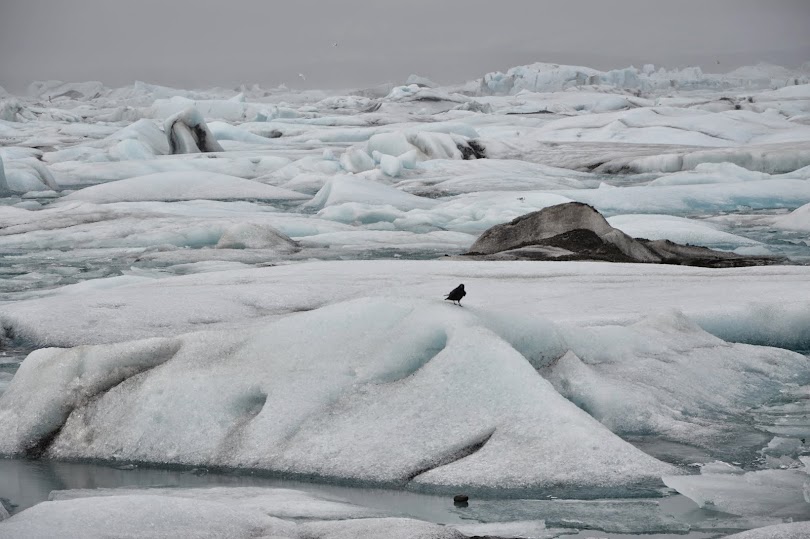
x,y
203,43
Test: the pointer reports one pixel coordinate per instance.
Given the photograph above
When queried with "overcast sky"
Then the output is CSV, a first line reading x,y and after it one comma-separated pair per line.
x,y
202,43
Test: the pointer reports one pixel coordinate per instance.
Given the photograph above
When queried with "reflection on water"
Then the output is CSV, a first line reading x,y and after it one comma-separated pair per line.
x,y
27,482
24,483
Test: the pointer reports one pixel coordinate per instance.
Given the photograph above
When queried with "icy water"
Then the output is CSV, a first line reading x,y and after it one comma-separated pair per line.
x,y
27,483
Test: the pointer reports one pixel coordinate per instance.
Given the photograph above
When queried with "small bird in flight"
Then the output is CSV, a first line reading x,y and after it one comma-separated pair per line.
x,y
301,76
456,294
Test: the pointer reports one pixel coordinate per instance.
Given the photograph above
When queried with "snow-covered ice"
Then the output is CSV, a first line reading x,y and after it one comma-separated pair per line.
x,y
223,272
182,186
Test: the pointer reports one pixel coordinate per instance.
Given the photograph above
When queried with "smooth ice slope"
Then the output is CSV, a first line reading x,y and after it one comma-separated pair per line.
x,y
275,502
145,305
441,388
142,516
798,219
676,380
777,493
182,186
344,189
676,229
794,530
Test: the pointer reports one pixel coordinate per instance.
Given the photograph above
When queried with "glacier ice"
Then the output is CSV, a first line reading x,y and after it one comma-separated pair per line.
x,y
676,380
779,493
466,396
243,250
182,186
275,502
795,530
141,516
188,133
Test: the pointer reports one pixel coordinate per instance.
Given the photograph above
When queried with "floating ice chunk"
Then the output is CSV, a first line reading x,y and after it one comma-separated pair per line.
x,y
84,375
279,111
446,400
11,110
475,212
768,158
409,159
762,493
674,377
438,242
150,517
415,92
429,144
24,175
226,131
800,91
390,166
256,236
569,516
436,145
677,229
356,160
798,219
182,186
783,324
342,189
394,143
275,502
188,133
764,194
711,173
359,213
522,529
794,530
719,467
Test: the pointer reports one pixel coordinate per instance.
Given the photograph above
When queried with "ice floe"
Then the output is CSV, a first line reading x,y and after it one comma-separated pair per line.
x,y
182,186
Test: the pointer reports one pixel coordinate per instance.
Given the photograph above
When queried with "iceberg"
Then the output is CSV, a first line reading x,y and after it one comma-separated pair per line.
x,y
676,380
779,493
141,516
182,186
445,398
188,133
798,219
794,530
346,189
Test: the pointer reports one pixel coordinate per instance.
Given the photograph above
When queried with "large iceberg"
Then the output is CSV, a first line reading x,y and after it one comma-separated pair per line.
x,y
445,399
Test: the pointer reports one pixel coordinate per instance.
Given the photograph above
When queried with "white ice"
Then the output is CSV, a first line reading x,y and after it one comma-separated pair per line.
x,y
182,186
795,530
273,347
775,493
458,387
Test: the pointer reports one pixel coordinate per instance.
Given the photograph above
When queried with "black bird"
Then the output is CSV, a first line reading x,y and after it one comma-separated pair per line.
x,y
456,295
